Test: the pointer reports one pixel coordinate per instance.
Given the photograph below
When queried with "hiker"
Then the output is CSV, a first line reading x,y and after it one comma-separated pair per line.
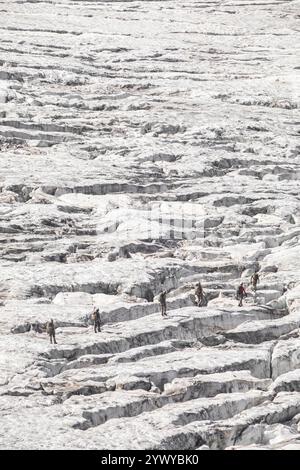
x,y
199,294
50,328
241,293
254,280
163,303
96,320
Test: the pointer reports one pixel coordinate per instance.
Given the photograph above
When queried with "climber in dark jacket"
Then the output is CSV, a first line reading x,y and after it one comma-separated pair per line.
x,y
199,294
254,280
96,320
50,328
163,303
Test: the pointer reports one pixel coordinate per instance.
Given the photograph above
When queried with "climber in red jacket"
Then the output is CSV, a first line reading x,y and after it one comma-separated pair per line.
x,y
241,293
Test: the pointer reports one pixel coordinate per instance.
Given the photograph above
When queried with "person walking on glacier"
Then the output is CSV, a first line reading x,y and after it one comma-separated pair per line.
x,y
163,303
96,320
199,294
241,293
254,280
50,328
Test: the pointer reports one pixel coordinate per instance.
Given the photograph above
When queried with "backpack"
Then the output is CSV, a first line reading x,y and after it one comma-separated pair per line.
x,y
94,316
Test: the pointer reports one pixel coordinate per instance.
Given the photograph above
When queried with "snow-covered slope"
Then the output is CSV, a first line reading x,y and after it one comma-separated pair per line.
x,y
149,145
